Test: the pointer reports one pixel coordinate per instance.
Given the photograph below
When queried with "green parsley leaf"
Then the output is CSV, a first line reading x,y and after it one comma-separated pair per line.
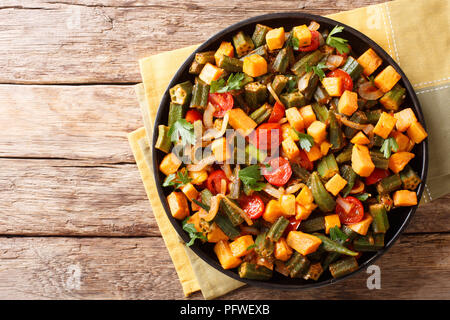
x,y
234,82
339,43
193,234
338,235
388,146
184,130
251,177
177,180
363,196
306,141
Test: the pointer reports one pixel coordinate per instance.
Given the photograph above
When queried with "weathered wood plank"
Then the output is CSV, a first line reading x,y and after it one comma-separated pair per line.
x,y
83,41
71,122
75,198
62,197
139,268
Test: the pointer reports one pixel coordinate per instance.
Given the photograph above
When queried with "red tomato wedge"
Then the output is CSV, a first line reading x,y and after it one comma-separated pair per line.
x,y
304,161
314,42
376,176
266,136
214,182
277,113
279,172
293,224
193,115
349,210
222,101
252,205
347,82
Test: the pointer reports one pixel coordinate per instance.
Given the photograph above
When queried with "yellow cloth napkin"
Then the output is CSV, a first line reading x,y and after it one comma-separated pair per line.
x,y
413,32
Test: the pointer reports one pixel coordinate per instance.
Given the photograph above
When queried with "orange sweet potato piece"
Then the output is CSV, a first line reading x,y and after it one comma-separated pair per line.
x,y
399,160
239,246
282,251
405,198
225,256
303,243
216,234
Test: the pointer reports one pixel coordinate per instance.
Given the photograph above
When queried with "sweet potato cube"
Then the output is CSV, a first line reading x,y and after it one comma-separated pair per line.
x,y
198,177
401,139
399,160
314,153
305,196
220,149
290,148
225,256
255,65
287,204
282,250
363,226
241,122
210,73
416,132
178,205
360,138
387,79
272,211
303,243
333,85
295,119
370,61
308,115
361,161
404,198
169,164
302,34
288,132
385,125
301,213
317,130
348,103
405,118
225,49
332,221
195,220
275,38
239,245
335,184
325,147
216,234
189,191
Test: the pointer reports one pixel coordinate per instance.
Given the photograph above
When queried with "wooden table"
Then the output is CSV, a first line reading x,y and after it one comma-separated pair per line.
x,y
75,222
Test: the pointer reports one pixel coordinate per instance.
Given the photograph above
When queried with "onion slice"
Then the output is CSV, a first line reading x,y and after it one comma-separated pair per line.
x,y
334,61
208,115
274,94
293,188
304,81
369,92
213,209
350,124
313,26
213,133
269,189
347,206
202,164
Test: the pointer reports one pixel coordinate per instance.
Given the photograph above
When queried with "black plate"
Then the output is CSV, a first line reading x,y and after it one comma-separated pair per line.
x,y
398,219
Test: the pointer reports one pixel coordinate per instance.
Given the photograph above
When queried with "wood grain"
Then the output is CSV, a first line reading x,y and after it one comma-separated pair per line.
x,y
68,122
84,41
140,268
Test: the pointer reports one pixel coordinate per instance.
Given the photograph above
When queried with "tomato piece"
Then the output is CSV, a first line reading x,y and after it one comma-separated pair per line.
x,y
214,182
222,101
266,136
376,176
252,205
277,113
304,161
293,224
193,115
347,82
279,172
314,42
356,214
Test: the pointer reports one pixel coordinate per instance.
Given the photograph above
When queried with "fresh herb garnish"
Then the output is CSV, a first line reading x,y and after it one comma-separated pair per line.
x,y
306,141
251,177
363,196
318,70
234,82
337,234
250,247
339,43
193,233
184,130
177,180
291,84
389,145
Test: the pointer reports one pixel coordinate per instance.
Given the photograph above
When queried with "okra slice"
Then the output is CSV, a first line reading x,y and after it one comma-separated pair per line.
x,y
379,160
230,64
314,272
293,99
163,142
380,222
231,211
389,184
242,43
255,94
357,117
336,137
348,174
176,112
195,68
262,51
259,35
200,93
373,116
332,246
410,178
343,267
345,155
264,246
321,111
181,93
313,224
311,88
328,166
224,223
353,68
277,229
205,57
262,113
394,98
311,59
300,172
322,197
321,95
281,61
297,265
253,271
